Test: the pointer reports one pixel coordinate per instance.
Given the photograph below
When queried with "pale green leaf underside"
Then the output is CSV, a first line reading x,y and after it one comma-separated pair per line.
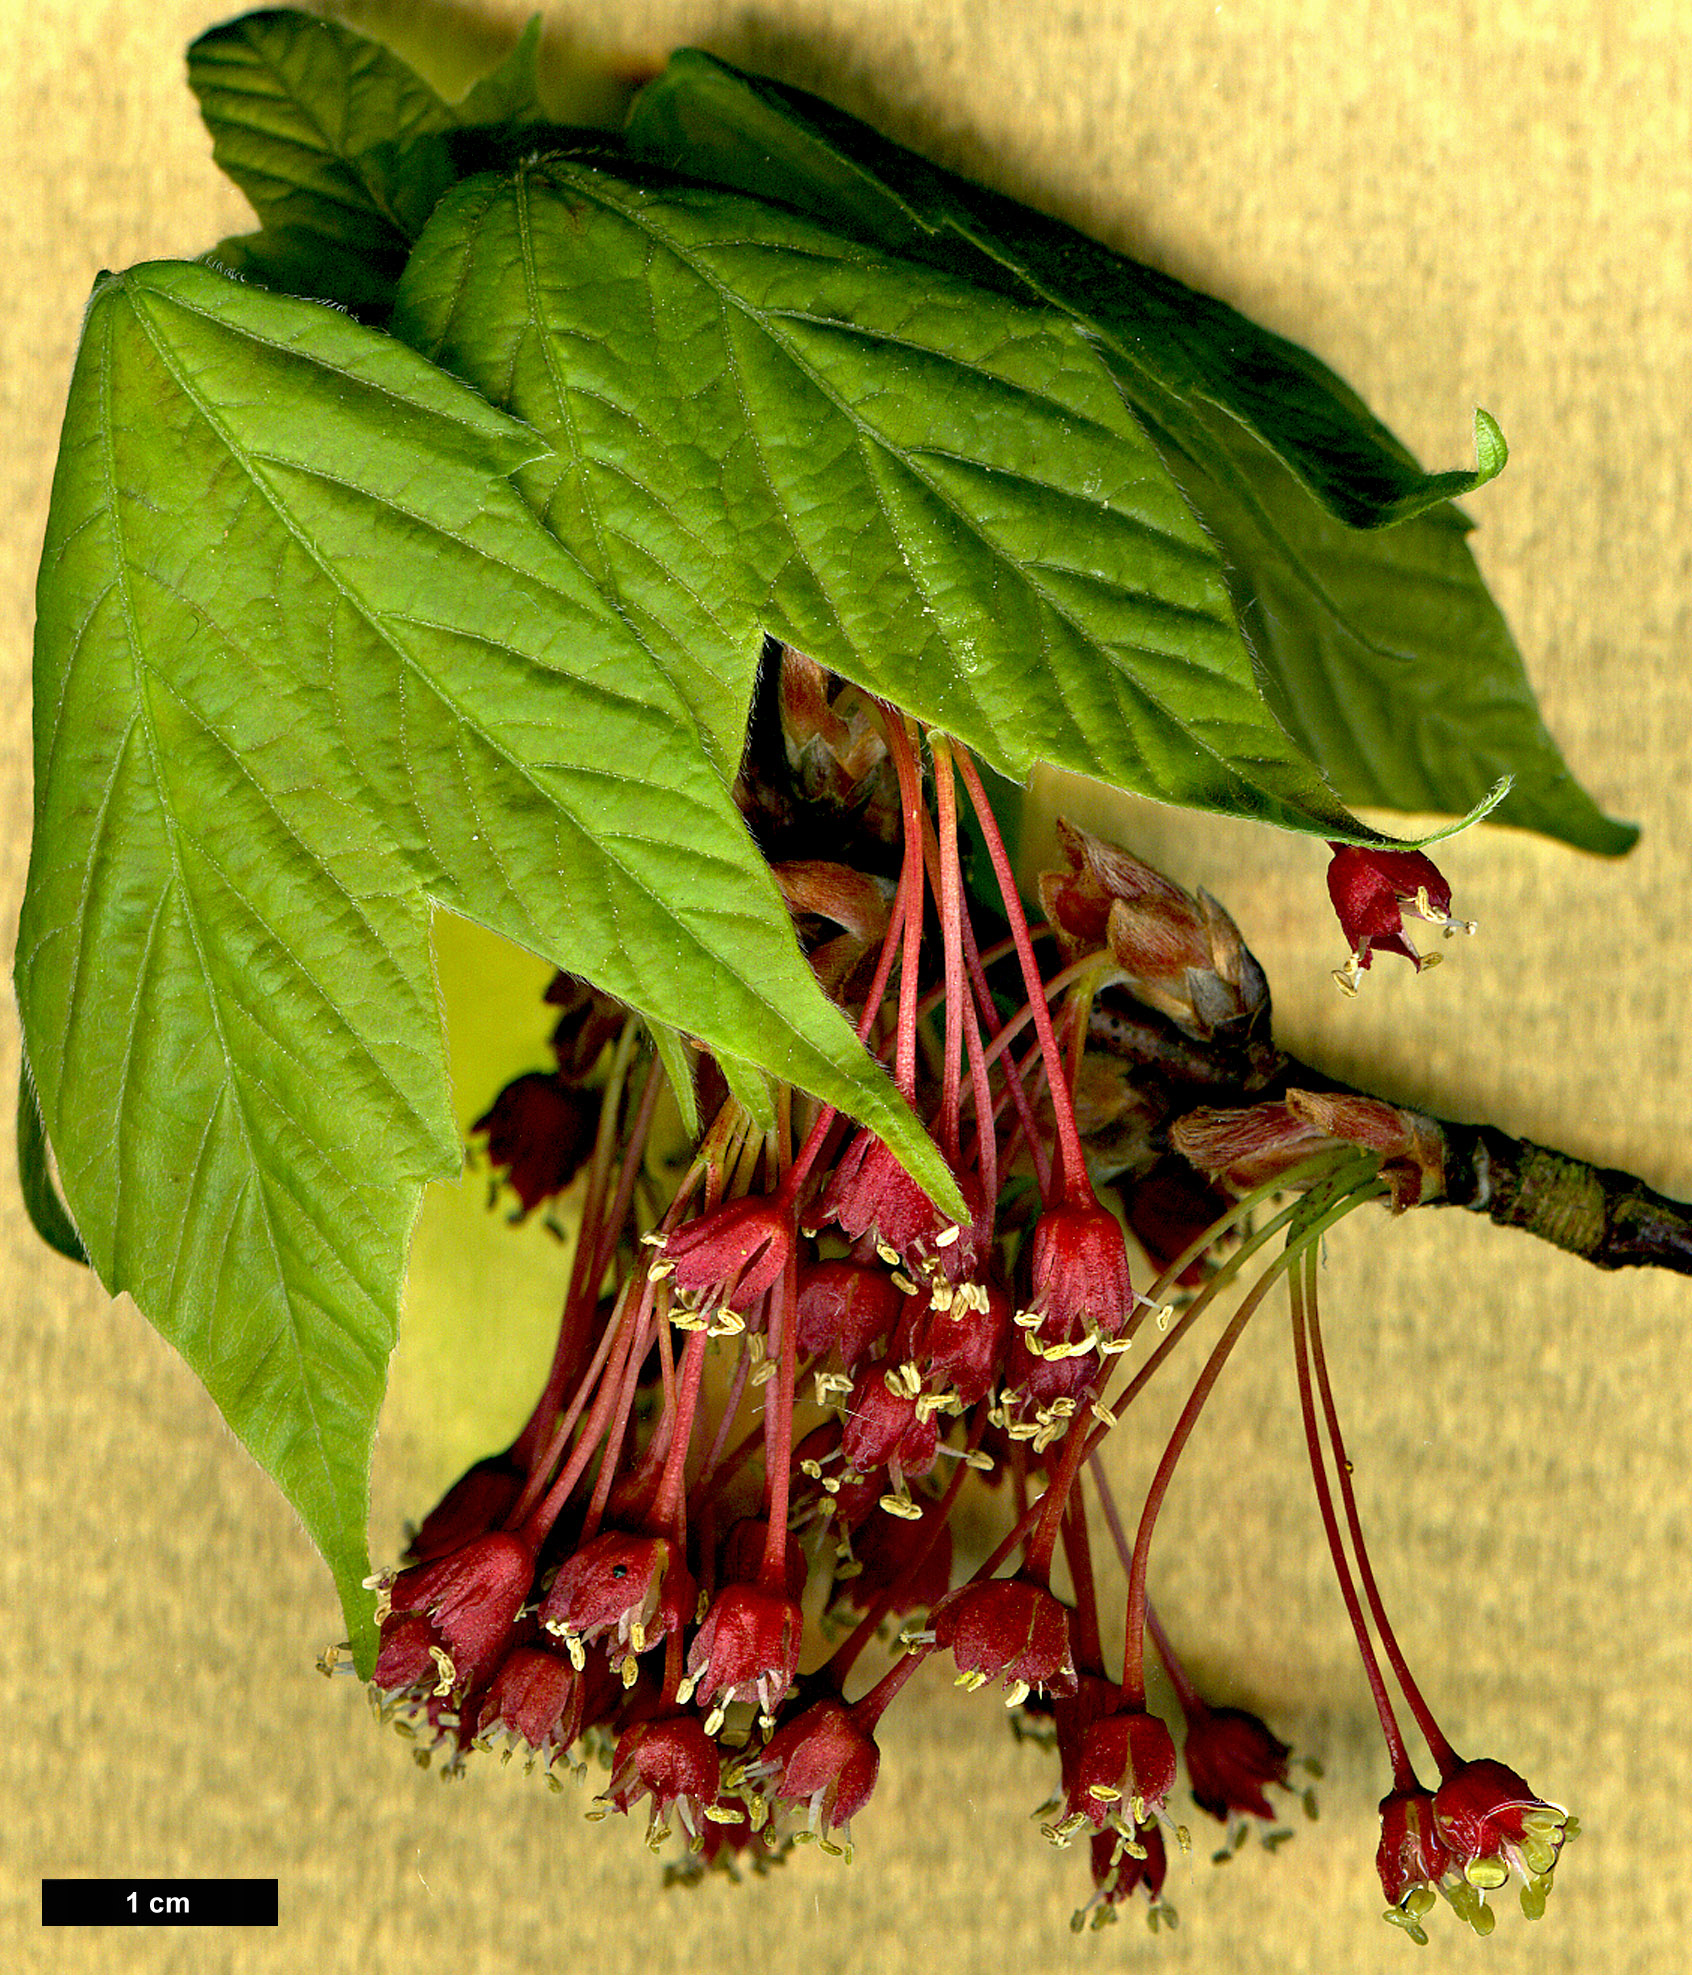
x,y
304,662
760,426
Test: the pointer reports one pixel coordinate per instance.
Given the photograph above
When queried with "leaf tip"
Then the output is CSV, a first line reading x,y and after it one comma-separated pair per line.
x,y
1491,449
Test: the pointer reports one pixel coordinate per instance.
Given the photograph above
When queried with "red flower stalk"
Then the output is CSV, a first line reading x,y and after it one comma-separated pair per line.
x,y
470,1601
1008,1629
1372,890
747,1650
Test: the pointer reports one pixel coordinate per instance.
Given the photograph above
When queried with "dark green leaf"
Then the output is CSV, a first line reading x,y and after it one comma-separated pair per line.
x,y
1383,651
759,426
297,261
344,150
1385,655
35,1178
316,125
712,121
304,663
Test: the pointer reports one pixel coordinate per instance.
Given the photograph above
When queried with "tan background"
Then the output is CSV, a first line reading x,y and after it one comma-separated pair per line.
x,y
1453,204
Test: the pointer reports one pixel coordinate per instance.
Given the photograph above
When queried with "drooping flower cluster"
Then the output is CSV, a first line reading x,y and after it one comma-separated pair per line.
x,y
775,1375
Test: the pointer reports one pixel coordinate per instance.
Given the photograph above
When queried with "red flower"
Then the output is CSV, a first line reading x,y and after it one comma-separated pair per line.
x,y
671,1760
470,1601
847,1307
1231,1757
479,1500
883,1427
636,1586
747,1650
1079,1274
1121,1869
1008,1629
731,1255
537,1699
1372,890
1493,1825
539,1132
1120,1774
823,1761
1412,1860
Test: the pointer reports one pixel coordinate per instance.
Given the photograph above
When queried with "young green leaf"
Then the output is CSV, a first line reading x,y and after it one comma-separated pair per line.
x,y
1382,651
760,426
304,663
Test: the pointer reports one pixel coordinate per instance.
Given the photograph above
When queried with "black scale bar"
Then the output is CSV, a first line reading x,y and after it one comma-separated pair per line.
x,y
158,1903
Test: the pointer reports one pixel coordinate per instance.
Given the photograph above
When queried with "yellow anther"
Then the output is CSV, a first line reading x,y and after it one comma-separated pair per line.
x,y
1422,1900
715,1719
947,1236
1537,1855
889,1255
447,1672
1487,1873
1016,1693
1105,1793
764,1373
637,1636
903,1507
903,1283
970,1681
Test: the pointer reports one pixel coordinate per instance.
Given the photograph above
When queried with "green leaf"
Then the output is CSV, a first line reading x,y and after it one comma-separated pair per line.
x,y
318,126
511,94
343,149
1385,655
1383,652
716,122
759,426
305,663
295,261
35,1178
678,1067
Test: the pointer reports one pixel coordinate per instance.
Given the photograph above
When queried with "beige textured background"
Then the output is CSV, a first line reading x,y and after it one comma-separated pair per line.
x,y
1451,202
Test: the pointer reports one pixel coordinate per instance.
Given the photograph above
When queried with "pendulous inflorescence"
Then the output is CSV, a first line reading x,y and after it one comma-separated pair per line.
x,y
780,1364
